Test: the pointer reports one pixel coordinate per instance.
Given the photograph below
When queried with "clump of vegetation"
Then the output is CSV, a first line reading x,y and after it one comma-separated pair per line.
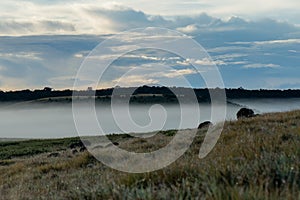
x,y
118,137
79,161
256,158
168,132
13,149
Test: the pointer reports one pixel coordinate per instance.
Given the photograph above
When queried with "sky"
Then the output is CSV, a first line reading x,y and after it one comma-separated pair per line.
x,y
254,44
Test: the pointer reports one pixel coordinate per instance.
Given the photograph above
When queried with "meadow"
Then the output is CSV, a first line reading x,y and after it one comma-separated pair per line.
x,y
255,158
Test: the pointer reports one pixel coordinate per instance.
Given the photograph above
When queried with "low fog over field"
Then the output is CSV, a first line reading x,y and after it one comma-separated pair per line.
x,y
50,120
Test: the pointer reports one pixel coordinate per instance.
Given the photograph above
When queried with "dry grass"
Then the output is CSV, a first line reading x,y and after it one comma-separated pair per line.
x,y
256,158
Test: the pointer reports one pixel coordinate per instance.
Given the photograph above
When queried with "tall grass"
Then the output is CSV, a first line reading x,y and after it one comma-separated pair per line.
x,y
257,158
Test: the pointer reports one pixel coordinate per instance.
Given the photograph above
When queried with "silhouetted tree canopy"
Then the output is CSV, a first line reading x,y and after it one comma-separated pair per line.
x,y
151,93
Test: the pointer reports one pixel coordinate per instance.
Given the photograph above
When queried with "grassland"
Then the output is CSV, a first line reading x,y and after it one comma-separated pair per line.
x,y
257,158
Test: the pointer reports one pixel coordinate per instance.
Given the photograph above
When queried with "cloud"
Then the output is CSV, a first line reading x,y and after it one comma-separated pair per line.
x,y
133,80
178,73
59,58
260,65
231,59
147,74
207,62
235,44
203,63
13,27
76,17
192,28
270,42
223,9
35,61
122,18
21,55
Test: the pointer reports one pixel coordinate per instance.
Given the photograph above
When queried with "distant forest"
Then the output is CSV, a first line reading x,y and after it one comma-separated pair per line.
x,y
144,93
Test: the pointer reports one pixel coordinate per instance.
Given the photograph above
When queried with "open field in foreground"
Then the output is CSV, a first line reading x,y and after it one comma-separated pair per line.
x,y
257,158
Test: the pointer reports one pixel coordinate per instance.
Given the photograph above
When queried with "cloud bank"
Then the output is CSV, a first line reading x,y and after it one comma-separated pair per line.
x,y
55,38
98,17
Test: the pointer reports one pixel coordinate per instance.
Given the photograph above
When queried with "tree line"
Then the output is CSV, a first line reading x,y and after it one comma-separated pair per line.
x,y
155,91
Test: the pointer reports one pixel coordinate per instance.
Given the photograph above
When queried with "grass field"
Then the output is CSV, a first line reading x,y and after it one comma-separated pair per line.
x,y
257,158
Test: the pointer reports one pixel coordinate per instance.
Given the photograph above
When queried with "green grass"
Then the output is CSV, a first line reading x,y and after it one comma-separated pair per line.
x,y
257,158
13,149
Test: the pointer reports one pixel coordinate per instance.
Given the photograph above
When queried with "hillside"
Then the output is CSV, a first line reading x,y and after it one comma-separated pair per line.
x,y
257,158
